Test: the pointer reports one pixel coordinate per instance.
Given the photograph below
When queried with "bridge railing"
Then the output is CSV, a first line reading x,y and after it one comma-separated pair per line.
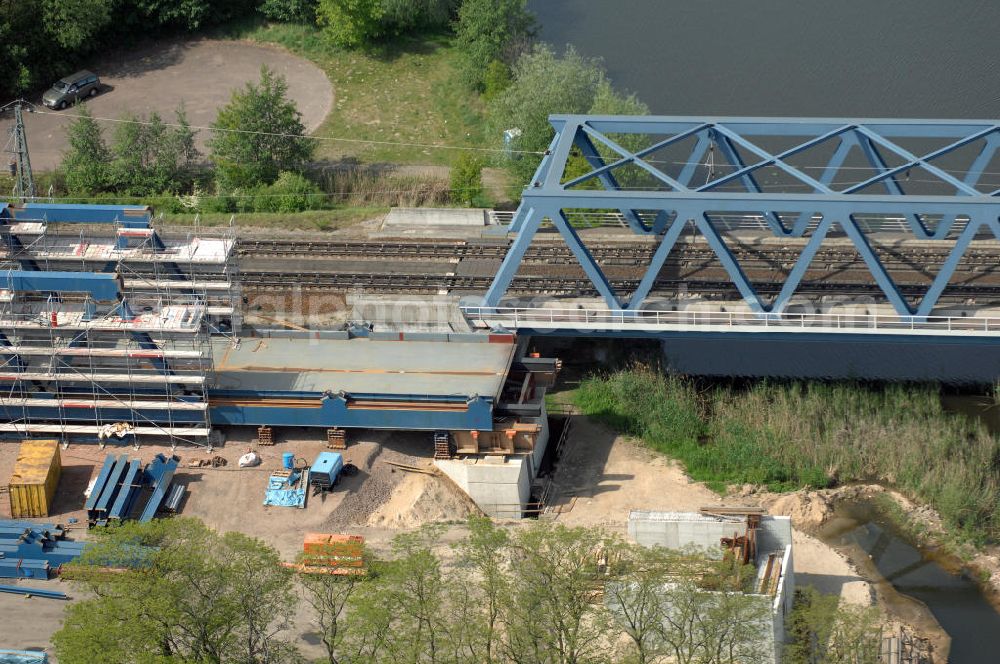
x,y
544,318
729,222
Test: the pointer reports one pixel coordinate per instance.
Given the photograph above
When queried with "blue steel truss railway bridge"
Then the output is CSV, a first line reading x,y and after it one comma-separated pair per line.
x,y
755,246
760,246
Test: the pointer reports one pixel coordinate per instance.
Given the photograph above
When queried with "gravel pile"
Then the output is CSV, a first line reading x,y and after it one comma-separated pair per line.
x,y
371,487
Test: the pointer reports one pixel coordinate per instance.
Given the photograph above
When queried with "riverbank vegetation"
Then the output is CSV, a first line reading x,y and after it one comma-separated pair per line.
x,y
792,435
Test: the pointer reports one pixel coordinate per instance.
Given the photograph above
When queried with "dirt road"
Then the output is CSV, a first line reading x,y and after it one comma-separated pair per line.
x,y
202,74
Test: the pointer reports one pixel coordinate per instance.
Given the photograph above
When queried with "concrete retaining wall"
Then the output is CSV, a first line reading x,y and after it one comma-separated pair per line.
x,y
401,217
677,530
499,489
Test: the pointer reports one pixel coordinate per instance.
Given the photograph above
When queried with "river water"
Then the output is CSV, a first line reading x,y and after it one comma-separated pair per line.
x,y
848,58
917,586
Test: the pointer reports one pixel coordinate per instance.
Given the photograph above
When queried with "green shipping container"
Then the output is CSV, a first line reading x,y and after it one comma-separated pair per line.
x,y
36,475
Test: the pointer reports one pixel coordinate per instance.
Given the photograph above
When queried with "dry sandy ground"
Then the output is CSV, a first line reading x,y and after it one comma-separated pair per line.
x,y
376,502
201,73
599,478
602,476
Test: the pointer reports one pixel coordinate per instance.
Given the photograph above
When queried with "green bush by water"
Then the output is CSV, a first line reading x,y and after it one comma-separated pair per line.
x,y
787,436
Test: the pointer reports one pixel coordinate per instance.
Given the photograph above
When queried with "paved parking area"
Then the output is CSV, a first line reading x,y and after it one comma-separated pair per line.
x,y
202,74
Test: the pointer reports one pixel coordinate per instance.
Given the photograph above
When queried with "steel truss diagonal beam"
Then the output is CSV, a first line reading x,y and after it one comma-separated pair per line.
x,y
837,196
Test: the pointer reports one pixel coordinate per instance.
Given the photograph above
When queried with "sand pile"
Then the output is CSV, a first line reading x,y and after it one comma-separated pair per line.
x,y
810,509
420,499
381,494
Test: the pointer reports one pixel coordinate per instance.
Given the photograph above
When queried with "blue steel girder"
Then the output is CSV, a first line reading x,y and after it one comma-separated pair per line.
x,y
676,203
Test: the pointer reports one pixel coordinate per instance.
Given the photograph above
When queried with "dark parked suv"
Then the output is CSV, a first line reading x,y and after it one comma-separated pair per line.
x,y
71,89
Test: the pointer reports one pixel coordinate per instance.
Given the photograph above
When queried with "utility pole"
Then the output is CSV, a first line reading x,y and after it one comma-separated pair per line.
x,y
17,146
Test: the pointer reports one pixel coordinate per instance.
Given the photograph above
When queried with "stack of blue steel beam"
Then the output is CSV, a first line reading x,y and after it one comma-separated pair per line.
x,y
159,475
118,485
30,550
22,657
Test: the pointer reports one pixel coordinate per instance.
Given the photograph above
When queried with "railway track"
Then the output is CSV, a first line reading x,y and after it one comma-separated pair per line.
x,y
547,285
557,254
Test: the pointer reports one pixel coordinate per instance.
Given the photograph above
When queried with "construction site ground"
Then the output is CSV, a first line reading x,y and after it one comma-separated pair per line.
x,y
598,479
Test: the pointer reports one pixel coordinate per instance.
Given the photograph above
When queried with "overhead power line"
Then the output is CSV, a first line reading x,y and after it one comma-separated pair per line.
x,y
336,139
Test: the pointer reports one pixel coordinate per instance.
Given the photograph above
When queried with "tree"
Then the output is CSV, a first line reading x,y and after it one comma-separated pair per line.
x,y
402,16
258,134
187,594
130,148
328,595
350,23
73,22
489,30
822,628
543,83
686,607
484,555
148,157
85,163
636,600
553,611
397,615
467,180
185,14
290,11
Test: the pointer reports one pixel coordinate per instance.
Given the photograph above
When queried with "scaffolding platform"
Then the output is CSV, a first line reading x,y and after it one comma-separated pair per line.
x,y
27,228
138,404
74,316
169,284
80,351
199,251
95,429
70,375
136,353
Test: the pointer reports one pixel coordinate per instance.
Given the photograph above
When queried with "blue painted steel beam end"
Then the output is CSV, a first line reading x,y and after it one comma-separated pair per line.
x,y
104,287
129,216
33,592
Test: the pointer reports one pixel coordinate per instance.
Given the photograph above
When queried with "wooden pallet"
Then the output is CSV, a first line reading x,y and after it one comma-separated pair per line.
x,y
336,439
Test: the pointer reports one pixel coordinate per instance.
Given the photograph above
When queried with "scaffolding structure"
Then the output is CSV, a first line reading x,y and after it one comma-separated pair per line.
x,y
106,328
196,263
84,371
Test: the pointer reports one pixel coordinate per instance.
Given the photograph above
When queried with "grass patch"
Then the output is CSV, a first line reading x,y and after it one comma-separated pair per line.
x,y
787,436
313,220
407,91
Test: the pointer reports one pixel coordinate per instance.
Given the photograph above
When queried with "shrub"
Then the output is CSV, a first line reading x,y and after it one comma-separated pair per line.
x,y
467,180
350,23
495,80
291,192
402,16
290,11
